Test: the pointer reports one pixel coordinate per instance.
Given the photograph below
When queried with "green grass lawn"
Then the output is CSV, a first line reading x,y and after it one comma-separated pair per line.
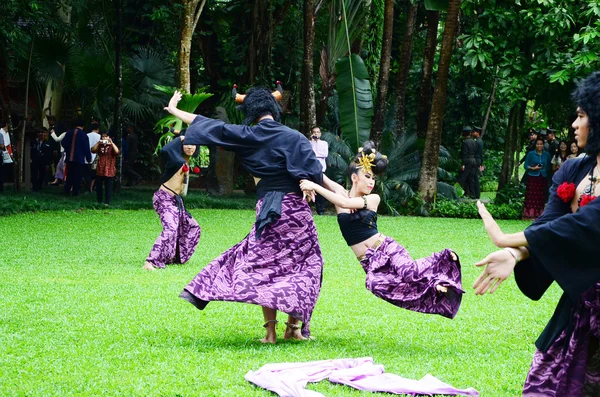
x,y
78,315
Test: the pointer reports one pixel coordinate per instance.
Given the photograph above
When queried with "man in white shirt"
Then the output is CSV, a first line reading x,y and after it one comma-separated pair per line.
x,y
321,149
90,171
5,151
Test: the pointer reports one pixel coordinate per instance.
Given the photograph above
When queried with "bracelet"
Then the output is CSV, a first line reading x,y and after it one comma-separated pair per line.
x,y
365,200
512,253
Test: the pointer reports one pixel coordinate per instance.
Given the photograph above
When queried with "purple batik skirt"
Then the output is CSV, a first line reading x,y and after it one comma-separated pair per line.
x,y
571,366
281,270
395,277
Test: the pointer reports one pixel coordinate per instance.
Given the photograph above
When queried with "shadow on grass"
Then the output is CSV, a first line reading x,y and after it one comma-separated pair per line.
x,y
52,198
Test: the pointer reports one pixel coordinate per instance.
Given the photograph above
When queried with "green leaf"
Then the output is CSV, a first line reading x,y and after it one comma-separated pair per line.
x,y
355,100
436,5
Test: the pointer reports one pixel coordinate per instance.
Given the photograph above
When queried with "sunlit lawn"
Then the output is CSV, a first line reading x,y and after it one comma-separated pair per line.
x,y
78,316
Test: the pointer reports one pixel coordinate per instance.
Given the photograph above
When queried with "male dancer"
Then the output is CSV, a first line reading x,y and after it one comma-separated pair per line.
x,y
181,232
278,265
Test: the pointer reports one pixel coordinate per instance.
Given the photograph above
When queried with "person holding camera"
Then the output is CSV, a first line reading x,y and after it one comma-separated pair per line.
x,y
536,164
321,150
106,166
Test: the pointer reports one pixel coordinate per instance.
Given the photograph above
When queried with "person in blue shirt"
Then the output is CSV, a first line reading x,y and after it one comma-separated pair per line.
x,y
536,166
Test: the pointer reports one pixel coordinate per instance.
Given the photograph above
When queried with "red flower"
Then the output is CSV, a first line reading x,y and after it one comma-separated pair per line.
x,y
586,199
196,170
566,191
185,168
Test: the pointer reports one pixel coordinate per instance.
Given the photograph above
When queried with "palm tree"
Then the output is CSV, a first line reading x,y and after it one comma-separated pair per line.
x,y
428,175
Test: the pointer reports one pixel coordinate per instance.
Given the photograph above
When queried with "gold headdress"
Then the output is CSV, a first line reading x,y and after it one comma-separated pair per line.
x,y
365,161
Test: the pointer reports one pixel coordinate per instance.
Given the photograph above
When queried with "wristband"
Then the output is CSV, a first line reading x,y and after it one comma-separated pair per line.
x,y
512,253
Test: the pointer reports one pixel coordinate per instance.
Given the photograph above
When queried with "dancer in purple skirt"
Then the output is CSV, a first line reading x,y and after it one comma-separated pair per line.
x,y
429,285
561,246
278,265
181,232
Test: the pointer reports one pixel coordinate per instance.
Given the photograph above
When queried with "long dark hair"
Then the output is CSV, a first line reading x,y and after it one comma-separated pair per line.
x,y
380,162
587,97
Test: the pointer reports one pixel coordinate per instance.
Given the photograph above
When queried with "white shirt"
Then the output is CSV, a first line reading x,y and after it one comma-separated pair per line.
x,y
94,137
5,155
58,139
321,149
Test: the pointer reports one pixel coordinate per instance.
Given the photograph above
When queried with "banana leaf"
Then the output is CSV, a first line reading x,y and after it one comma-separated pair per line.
x,y
355,100
189,103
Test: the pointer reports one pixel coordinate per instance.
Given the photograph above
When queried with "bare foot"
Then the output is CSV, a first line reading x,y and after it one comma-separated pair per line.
x,y
267,340
454,256
441,289
148,266
292,331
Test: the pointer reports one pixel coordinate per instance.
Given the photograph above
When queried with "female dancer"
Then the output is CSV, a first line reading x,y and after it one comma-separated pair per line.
x,y
429,285
562,246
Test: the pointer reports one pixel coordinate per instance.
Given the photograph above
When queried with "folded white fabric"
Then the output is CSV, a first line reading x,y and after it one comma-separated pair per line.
x,y
290,379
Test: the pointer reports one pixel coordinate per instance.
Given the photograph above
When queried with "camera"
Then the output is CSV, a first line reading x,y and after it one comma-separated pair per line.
x,y
104,141
315,137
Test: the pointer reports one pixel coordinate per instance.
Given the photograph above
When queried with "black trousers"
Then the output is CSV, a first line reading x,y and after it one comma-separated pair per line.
x,y
38,175
74,175
129,171
1,174
469,181
104,185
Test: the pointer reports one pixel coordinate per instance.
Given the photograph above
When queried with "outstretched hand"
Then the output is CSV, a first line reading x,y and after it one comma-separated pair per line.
x,y
498,267
173,101
496,234
308,192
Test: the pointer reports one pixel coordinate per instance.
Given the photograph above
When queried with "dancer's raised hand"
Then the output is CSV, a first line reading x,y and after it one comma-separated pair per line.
x,y
497,236
173,101
498,267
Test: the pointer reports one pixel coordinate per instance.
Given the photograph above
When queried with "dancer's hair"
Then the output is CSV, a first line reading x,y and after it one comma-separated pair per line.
x,y
259,102
379,162
587,97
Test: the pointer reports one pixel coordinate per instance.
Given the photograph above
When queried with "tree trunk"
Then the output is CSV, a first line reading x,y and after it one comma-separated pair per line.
x,y
308,116
428,174
193,9
384,73
118,114
516,142
425,91
22,176
489,107
326,85
505,172
404,67
55,89
265,17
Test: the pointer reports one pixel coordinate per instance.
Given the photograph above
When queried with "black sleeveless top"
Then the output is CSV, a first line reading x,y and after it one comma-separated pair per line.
x,y
358,226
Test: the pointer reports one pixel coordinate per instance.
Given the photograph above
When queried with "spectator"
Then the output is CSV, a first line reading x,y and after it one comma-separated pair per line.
x,y
106,167
41,158
90,168
536,164
574,150
59,176
131,140
5,152
321,150
77,152
476,134
469,175
551,145
561,156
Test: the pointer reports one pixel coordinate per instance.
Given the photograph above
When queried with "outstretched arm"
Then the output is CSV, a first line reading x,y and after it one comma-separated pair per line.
x,y
498,237
186,117
333,186
370,201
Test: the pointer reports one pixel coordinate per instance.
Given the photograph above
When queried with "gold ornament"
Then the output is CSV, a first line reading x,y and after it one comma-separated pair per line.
x,y
366,162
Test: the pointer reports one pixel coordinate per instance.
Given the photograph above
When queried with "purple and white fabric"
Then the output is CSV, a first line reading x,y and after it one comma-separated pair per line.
x,y
395,277
281,270
180,234
290,379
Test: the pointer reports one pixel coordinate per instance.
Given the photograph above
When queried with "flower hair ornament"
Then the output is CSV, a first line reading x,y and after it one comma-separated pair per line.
x,y
365,161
